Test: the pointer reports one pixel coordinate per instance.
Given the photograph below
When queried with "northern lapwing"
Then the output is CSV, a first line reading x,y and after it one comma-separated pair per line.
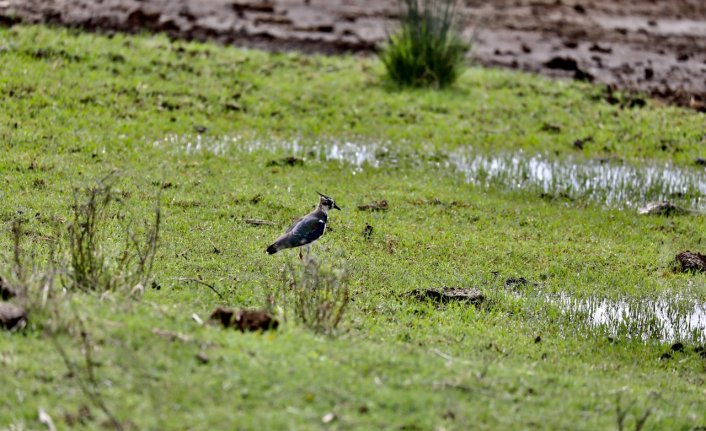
x,y
307,229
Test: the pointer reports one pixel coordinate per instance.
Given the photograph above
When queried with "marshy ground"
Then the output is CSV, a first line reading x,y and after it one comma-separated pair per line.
x,y
506,184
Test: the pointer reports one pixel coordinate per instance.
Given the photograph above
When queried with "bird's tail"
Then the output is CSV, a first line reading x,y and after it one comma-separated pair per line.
x,y
272,249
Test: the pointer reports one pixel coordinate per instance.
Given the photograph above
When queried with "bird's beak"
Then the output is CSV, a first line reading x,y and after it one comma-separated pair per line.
x,y
336,206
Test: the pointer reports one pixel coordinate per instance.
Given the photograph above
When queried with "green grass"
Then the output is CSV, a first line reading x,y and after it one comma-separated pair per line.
x,y
75,106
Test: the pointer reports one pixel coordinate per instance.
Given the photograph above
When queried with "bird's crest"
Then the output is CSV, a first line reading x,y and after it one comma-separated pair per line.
x,y
327,202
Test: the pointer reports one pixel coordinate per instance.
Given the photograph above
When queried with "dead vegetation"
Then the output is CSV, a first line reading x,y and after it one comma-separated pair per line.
x,y
316,295
93,267
374,206
622,412
83,369
257,222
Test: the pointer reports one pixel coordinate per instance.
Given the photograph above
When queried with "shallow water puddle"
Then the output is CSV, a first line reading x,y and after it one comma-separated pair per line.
x,y
664,319
607,182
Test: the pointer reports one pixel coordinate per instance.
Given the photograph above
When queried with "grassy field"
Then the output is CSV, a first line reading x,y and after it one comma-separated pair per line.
x,y
76,106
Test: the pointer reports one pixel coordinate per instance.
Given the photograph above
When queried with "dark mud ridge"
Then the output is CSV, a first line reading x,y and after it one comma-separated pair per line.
x,y
658,47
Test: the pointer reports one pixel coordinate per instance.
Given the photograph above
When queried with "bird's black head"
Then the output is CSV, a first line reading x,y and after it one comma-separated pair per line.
x,y
327,203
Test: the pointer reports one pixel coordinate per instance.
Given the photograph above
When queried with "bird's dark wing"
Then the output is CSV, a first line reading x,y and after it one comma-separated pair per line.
x,y
308,229
289,229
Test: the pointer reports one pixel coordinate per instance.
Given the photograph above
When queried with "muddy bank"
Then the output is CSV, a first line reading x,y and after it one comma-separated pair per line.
x,y
656,47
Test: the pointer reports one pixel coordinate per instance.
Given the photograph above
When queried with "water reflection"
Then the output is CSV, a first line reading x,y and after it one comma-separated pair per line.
x,y
607,182
665,319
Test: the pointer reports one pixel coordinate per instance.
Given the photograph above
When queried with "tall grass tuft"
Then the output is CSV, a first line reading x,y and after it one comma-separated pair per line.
x,y
100,250
95,264
317,295
427,50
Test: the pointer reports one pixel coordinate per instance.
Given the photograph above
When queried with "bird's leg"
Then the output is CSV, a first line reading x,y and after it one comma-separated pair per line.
x,y
301,256
308,250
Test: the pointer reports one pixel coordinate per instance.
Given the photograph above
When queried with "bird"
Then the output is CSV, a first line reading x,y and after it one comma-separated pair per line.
x,y
307,229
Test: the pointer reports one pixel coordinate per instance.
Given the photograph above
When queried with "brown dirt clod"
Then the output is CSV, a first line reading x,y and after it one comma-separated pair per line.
x,y
691,262
254,320
286,161
223,315
381,205
447,294
12,316
244,319
367,231
202,358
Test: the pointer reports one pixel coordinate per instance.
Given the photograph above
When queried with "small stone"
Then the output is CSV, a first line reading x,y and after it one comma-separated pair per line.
x,y
202,358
